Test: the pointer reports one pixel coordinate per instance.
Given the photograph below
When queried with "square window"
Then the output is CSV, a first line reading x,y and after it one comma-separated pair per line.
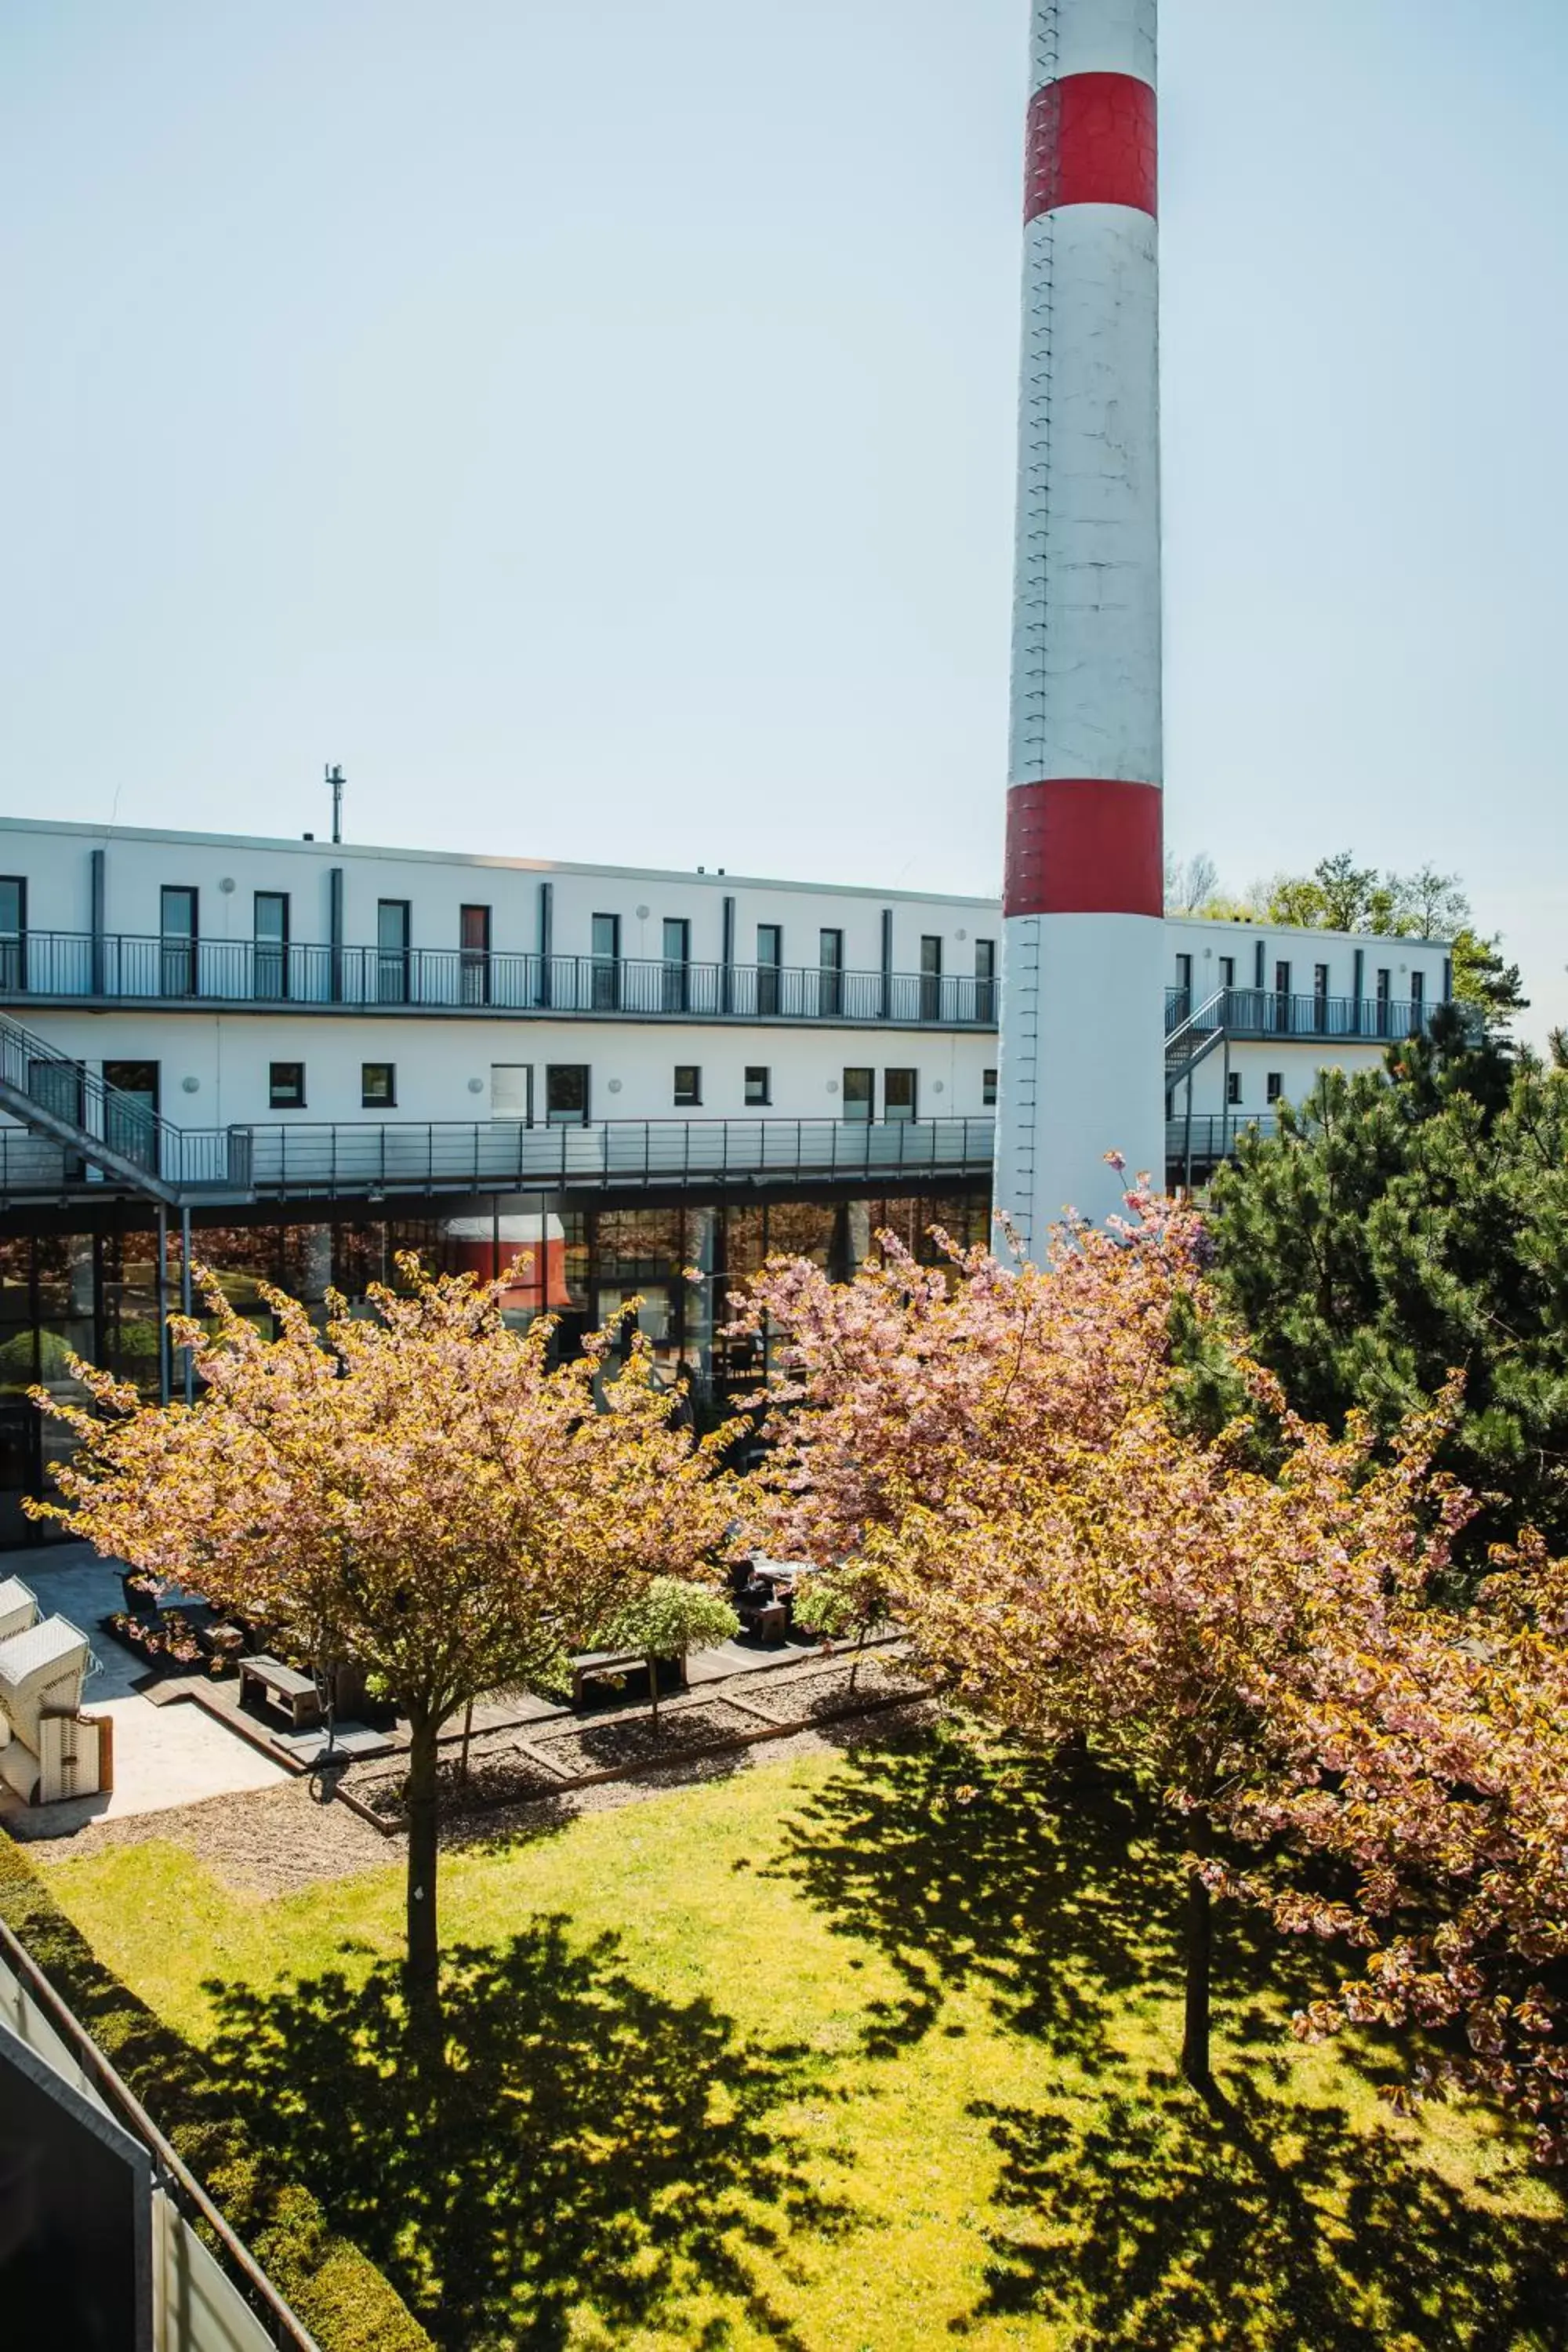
x,y
759,1088
988,1088
1233,1087
1274,1085
286,1086
377,1085
687,1087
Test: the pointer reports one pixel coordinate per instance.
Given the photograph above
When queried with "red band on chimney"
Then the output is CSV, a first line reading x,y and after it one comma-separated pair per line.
x,y
1093,139
1077,848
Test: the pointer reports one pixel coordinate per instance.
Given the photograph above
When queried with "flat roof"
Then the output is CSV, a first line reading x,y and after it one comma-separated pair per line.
x,y
296,846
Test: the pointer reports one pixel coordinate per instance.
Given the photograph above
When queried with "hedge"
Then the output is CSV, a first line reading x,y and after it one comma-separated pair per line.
x,y
345,2301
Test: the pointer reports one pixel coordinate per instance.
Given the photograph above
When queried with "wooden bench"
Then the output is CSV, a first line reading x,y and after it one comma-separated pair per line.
x,y
604,1665
295,1693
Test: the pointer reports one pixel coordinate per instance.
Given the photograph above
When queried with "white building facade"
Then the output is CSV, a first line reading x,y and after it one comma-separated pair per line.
x,y
299,1057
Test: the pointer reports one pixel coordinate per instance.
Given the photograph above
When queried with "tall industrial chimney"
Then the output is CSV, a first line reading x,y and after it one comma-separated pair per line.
x,y
1081,1058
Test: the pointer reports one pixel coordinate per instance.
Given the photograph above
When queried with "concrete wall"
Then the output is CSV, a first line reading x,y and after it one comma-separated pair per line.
x,y
445,1067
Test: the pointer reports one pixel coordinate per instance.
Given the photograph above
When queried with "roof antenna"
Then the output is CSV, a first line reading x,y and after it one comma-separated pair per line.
x,y
335,778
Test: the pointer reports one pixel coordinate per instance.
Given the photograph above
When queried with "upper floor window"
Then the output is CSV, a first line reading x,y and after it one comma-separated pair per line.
x,y
1227,971
286,1086
377,1085
177,929
1274,1085
770,958
474,954
1184,977
13,931
676,975
687,1087
392,933
931,976
988,1088
270,930
759,1087
1417,999
1233,1087
985,980
606,986
830,964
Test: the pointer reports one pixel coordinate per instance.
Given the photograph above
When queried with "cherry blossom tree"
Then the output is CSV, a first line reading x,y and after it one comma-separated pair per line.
x,y
1001,1451
1427,1758
416,1488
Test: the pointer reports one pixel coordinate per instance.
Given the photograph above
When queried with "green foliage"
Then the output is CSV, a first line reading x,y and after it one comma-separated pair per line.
x,y
667,1617
1405,1224
342,2299
1481,978
842,1603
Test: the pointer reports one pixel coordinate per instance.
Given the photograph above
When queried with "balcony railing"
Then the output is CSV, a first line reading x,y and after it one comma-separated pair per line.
x,y
363,1158
1275,1012
75,966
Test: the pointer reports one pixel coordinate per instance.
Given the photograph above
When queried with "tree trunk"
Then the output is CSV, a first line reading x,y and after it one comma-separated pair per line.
x,y
423,1950
467,1734
1200,1957
855,1662
653,1691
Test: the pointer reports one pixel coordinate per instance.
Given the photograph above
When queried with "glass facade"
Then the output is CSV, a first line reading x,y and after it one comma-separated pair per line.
x,y
98,1296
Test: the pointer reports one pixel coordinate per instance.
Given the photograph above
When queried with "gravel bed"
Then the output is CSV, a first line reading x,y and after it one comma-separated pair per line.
x,y
631,1739
824,1690
499,1775
265,1841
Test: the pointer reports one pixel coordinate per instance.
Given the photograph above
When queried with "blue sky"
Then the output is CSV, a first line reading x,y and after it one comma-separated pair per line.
x,y
592,425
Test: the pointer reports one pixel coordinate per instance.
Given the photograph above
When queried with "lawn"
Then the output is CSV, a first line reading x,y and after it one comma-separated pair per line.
x,y
869,2051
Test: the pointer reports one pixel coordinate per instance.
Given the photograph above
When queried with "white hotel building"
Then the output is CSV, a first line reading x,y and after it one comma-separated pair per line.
x,y
307,1056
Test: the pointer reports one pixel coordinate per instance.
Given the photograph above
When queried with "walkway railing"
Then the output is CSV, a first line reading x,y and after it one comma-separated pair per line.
x,y
1250,1012
117,968
368,1159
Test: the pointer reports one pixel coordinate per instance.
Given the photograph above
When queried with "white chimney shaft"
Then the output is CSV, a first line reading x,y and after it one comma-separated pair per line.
x,y
1081,1057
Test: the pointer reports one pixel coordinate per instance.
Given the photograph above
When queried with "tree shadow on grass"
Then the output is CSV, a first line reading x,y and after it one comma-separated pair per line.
x,y
583,2144
1127,2211
1144,2219
1025,1877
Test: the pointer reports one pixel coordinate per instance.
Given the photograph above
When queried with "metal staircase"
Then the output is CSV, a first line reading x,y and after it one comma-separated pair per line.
x,y
68,1104
1194,1037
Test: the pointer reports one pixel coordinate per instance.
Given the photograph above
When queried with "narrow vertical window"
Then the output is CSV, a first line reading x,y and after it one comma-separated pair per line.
x,y
391,930
986,982
177,928
931,976
677,963
770,961
13,932
830,979
474,954
270,931
605,994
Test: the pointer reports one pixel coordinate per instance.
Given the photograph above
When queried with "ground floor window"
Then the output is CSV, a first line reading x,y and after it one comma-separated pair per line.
x,y
286,1086
566,1094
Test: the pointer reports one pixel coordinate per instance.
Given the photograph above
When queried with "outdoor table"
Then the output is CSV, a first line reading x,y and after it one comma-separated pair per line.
x,y
294,1691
